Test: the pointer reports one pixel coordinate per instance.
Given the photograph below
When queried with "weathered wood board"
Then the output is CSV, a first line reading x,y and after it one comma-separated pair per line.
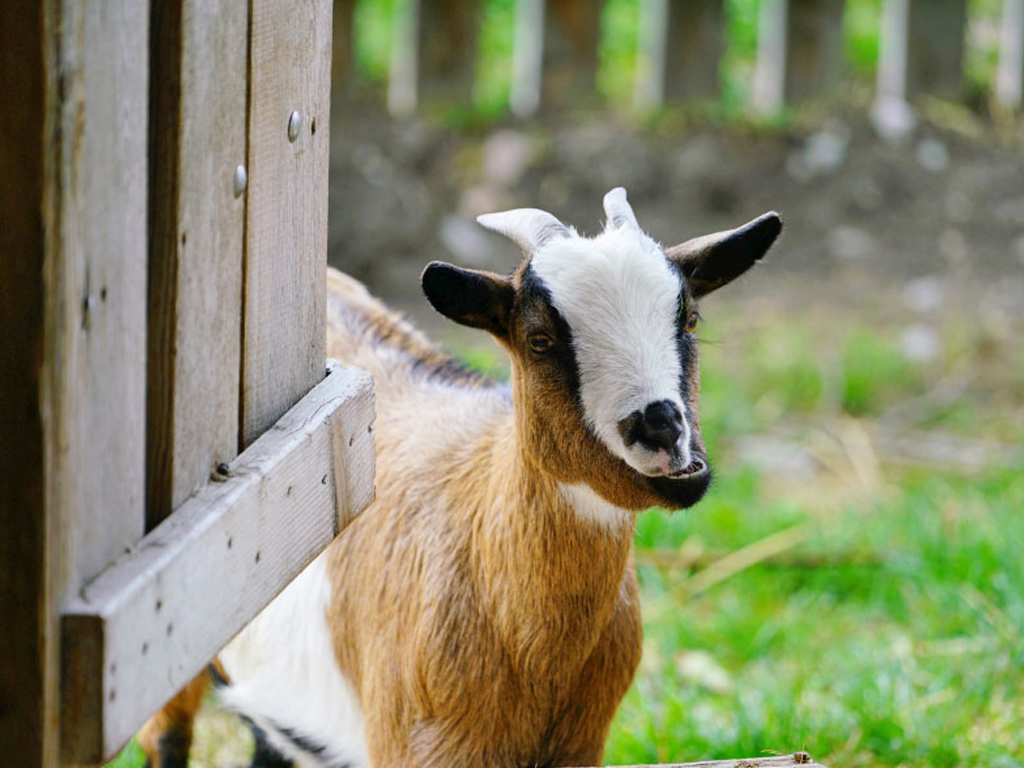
x,y
96,331
197,220
150,622
284,299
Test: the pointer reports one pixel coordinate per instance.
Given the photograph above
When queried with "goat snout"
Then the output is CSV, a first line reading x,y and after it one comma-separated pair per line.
x,y
659,425
662,425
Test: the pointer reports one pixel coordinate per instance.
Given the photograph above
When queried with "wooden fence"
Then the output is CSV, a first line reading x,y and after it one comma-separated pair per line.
x,y
680,47
175,446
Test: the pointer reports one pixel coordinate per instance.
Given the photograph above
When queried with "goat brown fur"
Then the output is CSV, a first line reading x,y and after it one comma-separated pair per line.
x,y
481,619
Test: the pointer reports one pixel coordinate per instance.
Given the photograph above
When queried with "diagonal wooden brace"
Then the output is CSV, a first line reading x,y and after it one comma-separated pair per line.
x,y
147,624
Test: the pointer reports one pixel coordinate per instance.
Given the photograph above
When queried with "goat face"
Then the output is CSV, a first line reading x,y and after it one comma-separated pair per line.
x,y
600,331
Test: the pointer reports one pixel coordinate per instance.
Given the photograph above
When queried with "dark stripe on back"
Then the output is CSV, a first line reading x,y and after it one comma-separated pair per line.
x,y
390,329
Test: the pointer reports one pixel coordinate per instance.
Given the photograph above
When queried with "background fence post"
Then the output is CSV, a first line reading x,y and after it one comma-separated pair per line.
x,y
799,51
447,50
527,57
1010,76
935,46
343,56
769,89
572,32
679,51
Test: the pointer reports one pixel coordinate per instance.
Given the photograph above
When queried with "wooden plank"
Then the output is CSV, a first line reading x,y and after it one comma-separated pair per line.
x,y
681,45
73,175
799,52
1010,75
28,674
197,220
96,343
150,622
286,218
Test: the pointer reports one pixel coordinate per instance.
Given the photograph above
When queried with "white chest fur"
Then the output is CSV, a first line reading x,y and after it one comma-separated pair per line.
x,y
285,679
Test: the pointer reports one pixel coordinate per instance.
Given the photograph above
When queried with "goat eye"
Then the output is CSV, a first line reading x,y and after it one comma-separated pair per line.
x,y
691,322
539,342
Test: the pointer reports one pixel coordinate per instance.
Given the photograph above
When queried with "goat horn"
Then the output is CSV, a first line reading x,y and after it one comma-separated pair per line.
x,y
618,209
529,228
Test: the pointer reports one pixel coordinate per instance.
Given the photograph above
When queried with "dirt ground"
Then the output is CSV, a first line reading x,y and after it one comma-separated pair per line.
x,y
931,223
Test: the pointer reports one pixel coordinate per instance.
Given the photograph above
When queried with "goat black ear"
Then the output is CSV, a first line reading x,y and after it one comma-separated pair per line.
x,y
469,297
711,261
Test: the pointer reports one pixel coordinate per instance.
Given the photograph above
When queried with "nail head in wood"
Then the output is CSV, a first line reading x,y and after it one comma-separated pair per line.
x,y
241,180
294,126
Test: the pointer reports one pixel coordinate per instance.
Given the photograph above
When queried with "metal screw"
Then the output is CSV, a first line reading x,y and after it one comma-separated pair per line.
x,y
294,126
241,180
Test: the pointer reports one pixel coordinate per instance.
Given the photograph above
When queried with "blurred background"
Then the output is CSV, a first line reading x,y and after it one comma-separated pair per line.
x,y
853,584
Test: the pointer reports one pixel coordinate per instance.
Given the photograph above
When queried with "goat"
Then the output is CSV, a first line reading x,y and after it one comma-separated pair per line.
x,y
483,611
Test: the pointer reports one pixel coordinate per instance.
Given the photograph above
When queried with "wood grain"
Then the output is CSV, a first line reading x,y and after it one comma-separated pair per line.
x,y
96,343
936,41
151,621
94,347
284,298
197,135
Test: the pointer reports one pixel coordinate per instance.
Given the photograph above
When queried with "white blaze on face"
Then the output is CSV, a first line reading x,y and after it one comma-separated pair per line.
x,y
620,298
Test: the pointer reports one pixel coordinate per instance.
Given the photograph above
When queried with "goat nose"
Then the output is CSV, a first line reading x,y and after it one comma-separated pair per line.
x,y
662,425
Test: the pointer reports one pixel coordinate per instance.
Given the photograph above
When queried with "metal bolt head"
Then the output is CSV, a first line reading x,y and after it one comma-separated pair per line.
x,y
294,126
241,180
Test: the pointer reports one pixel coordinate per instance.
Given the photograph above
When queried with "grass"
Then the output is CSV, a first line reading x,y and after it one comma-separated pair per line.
x,y
911,653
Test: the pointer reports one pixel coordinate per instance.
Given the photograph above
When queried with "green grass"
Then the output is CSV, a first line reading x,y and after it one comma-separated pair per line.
x,y
892,634
912,653
914,660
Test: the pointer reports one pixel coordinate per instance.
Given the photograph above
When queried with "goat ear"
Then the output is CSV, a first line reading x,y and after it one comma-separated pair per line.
x,y
711,261
469,297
